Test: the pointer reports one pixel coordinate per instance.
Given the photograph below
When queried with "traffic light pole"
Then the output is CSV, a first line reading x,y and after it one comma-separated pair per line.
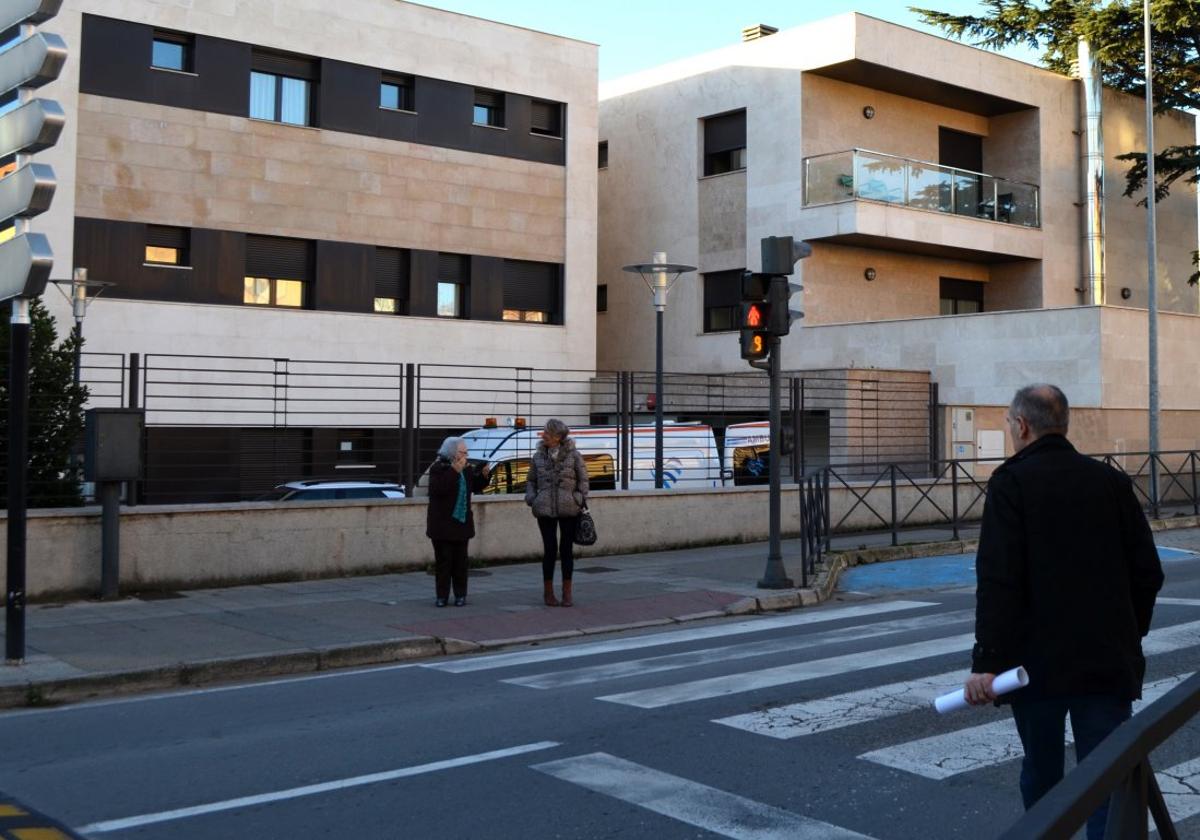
x,y
775,576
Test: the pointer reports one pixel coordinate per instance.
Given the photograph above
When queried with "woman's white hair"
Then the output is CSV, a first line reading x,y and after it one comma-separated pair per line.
x,y
557,428
449,447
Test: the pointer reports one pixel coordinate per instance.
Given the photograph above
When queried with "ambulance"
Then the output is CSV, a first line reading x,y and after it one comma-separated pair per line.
x,y
690,456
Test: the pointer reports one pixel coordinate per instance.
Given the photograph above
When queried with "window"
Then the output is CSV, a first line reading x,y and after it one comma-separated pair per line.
x,y
602,297
530,291
489,108
722,300
391,281
172,51
546,118
278,272
453,277
960,297
602,154
725,143
167,245
281,88
397,93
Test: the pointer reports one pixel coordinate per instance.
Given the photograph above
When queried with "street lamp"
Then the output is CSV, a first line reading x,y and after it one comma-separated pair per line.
x,y
76,292
659,277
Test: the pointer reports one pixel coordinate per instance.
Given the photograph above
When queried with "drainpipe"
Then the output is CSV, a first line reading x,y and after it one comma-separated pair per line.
x,y
1093,229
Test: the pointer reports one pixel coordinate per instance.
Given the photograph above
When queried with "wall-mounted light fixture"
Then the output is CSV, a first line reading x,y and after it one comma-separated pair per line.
x,y
1126,293
869,274
869,112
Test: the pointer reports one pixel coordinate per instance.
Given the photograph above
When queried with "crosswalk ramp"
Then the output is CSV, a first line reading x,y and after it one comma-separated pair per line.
x,y
894,655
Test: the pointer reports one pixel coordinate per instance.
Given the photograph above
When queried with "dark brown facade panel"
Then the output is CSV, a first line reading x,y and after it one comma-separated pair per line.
x,y
115,62
423,280
345,277
487,288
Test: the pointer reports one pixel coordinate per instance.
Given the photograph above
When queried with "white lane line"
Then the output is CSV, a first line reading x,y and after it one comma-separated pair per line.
x,y
942,756
310,790
1183,602
706,656
668,695
814,716
1169,639
757,625
1180,786
704,807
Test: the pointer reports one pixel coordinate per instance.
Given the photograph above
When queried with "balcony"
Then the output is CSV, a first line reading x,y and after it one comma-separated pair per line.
x,y
873,176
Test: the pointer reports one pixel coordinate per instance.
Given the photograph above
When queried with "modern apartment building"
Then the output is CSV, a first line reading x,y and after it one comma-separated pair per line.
x,y
944,191
359,181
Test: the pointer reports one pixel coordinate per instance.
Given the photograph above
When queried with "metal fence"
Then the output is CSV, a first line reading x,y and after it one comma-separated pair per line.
x,y
231,428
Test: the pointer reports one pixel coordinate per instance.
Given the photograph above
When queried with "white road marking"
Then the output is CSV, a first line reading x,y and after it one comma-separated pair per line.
x,y
688,659
814,716
1183,602
704,807
942,756
310,790
526,657
669,695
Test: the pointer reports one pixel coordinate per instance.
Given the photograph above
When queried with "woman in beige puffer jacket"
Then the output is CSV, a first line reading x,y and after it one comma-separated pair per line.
x,y
556,489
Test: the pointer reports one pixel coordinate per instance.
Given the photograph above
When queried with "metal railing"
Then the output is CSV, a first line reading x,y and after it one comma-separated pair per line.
x,y
1117,770
876,176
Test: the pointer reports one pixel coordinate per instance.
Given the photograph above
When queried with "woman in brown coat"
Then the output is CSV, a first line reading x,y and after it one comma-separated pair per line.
x,y
557,490
448,520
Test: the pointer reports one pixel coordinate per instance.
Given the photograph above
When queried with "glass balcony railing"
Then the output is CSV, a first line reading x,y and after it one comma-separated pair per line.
x,y
873,176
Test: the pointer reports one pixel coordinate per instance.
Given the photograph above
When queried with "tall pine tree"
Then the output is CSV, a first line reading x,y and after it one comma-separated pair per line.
x,y
1115,31
55,411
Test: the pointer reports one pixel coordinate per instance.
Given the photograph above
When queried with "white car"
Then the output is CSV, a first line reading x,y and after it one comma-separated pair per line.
x,y
325,490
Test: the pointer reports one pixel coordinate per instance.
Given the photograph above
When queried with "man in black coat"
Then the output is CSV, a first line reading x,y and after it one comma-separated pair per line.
x,y
1067,576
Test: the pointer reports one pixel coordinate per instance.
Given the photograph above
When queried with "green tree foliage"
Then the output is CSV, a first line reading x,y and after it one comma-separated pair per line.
x,y
1115,32
55,411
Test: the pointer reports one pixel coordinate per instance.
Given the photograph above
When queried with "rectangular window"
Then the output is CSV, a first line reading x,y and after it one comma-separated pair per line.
x,y
960,297
602,297
530,291
489,108
602,155
546,118
725,143
172,51
278,272
282,88
391,280
722,300
454,272
397,92
167,245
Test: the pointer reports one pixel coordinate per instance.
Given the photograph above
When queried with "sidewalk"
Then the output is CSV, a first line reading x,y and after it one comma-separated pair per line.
x,y
80,650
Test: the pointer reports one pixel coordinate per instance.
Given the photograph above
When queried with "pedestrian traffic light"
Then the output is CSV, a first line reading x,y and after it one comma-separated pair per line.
x,y
755,316
779,256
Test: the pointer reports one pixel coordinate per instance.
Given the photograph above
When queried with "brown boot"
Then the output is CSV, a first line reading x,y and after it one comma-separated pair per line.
x,y
548,593
566,601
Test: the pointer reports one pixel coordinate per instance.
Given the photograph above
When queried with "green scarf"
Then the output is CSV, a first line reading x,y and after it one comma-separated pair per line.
x,y
460,504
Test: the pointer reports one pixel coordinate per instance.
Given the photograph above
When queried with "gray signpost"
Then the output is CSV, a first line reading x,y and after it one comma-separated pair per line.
x,y
25,259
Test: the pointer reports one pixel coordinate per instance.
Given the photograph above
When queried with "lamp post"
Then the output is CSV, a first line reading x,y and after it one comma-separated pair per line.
x,y
75,291
1152,265
659,277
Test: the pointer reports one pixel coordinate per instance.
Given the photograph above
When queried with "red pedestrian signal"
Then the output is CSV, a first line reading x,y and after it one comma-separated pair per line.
x,y
754,316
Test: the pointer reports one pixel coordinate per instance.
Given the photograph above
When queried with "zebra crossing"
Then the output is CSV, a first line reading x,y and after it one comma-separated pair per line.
x,y
664,680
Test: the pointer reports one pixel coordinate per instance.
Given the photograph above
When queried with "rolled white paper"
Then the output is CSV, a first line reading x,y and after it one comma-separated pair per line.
x,y
1008,681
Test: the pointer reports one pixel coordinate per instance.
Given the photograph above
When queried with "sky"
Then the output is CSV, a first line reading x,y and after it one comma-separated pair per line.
x,y
637,34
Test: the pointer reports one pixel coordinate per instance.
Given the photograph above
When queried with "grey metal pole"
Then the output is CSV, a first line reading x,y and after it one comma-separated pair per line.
x,y
775,576
18,431
658,398
1152,263
110,538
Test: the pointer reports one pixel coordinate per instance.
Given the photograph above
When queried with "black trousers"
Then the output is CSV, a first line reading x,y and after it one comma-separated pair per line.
x,y
558,540
450,564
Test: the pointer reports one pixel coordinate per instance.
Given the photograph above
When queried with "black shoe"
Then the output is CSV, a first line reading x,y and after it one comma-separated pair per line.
x,y
440,602
460,601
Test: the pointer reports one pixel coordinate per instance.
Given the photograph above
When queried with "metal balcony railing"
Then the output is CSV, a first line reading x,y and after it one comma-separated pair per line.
x,y
873,176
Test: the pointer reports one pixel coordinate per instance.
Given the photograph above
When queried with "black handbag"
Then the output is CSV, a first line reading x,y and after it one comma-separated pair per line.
x,y
585,530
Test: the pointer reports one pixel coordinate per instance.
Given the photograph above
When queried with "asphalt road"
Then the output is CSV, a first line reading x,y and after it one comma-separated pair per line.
x,y
809,724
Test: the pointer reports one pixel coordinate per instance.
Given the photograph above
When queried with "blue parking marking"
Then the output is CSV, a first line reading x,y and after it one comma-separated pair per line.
x,y
946,571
